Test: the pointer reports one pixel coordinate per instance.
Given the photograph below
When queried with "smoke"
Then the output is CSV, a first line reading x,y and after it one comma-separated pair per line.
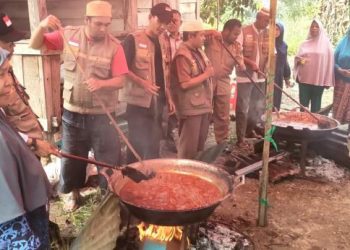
x,y
256,105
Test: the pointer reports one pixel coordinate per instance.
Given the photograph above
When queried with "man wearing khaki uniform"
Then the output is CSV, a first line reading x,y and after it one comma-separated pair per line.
x,y
223,64
85,124
250,102
147,88
191,88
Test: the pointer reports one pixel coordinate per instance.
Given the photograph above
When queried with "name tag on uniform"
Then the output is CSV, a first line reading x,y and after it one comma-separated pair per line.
x,y
143,46
73,46
73,43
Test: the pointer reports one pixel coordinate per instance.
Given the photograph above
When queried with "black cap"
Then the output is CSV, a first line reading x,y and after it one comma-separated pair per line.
x,y
7,32
163,12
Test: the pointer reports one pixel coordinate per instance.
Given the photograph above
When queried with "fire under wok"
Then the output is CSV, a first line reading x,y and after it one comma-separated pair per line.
x,y
219,179
302,126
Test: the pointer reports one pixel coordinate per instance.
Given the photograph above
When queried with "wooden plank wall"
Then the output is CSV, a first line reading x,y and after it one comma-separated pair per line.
x,y
70,12
189,9
128,15
40,75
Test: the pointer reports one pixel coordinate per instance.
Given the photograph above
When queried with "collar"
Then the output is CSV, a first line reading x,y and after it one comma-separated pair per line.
x,y
256,29
190,48
177,37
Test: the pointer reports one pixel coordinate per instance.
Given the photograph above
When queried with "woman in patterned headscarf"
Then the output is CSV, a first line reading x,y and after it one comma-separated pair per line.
x,y
314,66
23,184
341,104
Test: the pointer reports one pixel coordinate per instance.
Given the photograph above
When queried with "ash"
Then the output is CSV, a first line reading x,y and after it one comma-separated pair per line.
x,y
215,236
324,168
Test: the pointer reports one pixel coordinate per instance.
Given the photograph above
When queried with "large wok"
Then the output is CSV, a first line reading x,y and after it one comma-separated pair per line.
x,y
217,177
301,126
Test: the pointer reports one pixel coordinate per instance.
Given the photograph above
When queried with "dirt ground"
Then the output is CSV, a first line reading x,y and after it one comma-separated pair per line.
x,y
308,213
302,214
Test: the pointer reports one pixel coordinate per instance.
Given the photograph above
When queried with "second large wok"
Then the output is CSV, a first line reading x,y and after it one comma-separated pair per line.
x,y
301,126
221,179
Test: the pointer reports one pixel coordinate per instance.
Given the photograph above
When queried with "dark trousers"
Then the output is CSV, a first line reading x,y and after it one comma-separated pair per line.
x,y
249,109
193,131
311,93
145,130
81,133
38,221
221,117
277,95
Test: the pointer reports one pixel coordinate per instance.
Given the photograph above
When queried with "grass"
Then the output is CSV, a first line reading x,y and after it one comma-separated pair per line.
x,y
295,33
80,216
71,224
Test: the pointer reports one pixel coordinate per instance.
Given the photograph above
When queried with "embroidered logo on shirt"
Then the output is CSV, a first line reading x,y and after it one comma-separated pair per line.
x,y
7,21
249,38
142,45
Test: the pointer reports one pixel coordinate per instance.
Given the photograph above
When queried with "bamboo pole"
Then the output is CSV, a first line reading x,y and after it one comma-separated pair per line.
x,y
217,14
264,178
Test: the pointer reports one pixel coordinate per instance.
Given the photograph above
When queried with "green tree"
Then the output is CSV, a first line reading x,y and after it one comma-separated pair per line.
x,y
295,9
334,15
227,9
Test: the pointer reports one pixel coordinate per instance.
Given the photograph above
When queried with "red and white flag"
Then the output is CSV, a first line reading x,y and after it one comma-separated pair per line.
x,y
7,21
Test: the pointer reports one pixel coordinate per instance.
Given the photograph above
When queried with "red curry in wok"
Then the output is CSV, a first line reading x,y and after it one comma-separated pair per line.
x,y
171,191
300,120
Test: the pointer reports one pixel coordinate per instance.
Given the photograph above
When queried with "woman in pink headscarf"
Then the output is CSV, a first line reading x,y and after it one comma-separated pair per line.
x,y
314,66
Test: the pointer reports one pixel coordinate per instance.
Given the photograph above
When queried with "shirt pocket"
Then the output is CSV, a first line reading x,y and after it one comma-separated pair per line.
x,y
67,91
69,69
70,76
265,48
101,70
197,99
248,48
142,59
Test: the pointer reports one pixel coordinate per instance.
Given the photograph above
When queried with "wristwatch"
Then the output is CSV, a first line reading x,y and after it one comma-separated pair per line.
x,y
32,143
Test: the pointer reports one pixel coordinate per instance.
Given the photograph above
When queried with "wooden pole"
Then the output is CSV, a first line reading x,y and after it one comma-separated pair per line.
x,y
130,20
264,178
37,11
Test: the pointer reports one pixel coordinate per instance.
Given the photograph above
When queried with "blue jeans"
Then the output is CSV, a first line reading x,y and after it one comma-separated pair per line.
x,y
145,130
81,133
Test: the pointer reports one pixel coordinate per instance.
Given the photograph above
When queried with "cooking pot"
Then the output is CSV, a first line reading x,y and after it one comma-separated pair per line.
x,y
301,126
217,177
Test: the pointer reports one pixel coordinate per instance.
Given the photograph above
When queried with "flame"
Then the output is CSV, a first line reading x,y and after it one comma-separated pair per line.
x,y
161,233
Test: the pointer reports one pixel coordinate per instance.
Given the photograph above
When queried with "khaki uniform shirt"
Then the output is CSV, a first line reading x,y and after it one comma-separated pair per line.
x,y
14,102
196,100
223,63
255,45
